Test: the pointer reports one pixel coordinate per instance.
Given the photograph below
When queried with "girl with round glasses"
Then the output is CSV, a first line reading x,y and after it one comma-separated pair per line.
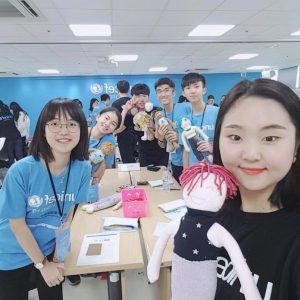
x,y
37,201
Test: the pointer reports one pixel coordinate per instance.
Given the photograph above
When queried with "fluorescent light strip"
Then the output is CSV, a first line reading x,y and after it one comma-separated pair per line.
x,y
258,68
158,69
90,29
131,57
243,56
210,30
296,33
48,71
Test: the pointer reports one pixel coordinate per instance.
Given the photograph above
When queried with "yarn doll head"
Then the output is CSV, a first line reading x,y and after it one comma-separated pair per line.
x,y
205,187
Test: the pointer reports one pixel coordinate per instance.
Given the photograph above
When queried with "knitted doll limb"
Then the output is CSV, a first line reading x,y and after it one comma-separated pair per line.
x,y
220,237
154,263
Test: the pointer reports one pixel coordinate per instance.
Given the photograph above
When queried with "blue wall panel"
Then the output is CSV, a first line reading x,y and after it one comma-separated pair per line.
x,y
33,92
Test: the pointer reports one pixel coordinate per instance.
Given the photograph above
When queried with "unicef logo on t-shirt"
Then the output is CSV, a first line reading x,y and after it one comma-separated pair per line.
x,y
96,88
35,201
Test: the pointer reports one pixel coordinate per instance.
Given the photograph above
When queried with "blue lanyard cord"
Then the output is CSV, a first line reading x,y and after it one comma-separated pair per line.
x,y
98,141
60,210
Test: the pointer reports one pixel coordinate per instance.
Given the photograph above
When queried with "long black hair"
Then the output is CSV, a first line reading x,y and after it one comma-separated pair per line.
x,y
16,108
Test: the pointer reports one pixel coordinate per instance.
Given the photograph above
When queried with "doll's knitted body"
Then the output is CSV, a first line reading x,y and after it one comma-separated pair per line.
x,y
194,257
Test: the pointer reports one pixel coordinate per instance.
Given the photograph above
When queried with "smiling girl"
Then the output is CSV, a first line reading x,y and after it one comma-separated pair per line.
x,y
257,138
37,201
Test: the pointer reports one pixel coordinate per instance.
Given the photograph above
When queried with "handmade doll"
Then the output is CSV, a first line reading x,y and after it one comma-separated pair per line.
x,y
198,238
96,156
192,135
141,121
160,120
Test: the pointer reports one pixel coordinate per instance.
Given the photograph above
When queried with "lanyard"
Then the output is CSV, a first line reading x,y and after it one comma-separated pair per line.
x,y
60,210
201,118
172,112
90,138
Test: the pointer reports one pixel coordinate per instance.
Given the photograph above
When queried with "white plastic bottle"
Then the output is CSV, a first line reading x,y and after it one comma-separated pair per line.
x,y
166,179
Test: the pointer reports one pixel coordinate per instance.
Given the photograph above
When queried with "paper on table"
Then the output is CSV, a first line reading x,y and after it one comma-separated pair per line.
x,y
120,224
156,183
172,205
99,248
176,214
129,167
159,228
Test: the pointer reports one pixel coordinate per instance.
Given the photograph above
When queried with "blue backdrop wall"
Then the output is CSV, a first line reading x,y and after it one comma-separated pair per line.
x,y
33,92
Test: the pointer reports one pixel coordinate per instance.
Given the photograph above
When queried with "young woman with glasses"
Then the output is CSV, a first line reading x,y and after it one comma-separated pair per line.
x,y
37,200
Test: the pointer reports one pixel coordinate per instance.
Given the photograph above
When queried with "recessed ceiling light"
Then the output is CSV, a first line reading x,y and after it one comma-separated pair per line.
x,y
48,71
258,68
296,33
90,29
243,56
131,57
158,69
210,30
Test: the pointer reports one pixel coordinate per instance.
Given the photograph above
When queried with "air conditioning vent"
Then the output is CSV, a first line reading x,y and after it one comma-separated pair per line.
x,y
197,70
26,8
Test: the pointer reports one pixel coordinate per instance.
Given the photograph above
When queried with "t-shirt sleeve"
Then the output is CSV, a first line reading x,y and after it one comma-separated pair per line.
x,y
82,194
13,194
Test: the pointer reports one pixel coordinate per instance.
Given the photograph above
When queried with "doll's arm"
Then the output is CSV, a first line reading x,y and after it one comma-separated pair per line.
x,y
220,237
154,263
201,132
186,146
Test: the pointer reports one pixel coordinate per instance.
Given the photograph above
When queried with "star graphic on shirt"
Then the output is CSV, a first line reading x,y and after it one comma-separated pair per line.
x,y
195,251
184,235
198,225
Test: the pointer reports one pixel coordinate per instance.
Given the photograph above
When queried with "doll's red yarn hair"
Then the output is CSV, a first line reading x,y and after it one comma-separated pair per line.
x,y
201,171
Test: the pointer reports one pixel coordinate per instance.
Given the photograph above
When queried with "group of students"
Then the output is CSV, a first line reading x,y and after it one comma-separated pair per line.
x,y
14,127
255,134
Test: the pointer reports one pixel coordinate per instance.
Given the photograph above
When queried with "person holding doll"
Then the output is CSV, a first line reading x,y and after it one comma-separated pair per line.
x,y
257,138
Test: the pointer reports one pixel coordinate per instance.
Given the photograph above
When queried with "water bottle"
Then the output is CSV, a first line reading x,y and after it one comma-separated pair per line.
x,y
166,179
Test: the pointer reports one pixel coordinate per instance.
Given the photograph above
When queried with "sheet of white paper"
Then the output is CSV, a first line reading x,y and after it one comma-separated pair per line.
x,y
109,249
129,167
172,205
159,228
176,214
120,224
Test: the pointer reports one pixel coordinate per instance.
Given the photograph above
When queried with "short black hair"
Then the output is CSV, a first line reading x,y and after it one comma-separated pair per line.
x,y
140,88
78,102
287,191
104,97
191,78
166,81
210,97
123,86
116,111
62,106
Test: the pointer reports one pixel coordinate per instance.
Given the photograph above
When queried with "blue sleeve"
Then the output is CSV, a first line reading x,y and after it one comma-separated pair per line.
x,y
13,194
82,194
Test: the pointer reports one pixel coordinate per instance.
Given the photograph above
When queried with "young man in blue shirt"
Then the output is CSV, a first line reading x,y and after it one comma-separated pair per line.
x,y
202,115
165,92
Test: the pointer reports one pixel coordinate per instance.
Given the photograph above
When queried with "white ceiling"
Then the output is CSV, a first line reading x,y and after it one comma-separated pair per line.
x,y
156,30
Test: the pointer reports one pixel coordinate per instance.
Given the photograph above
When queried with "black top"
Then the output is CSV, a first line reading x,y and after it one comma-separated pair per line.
x,y
270,242
190,241
128,122
8,128
150,149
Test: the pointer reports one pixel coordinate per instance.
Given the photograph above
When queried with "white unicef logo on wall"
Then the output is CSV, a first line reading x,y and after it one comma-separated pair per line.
x,y
35,201
96,88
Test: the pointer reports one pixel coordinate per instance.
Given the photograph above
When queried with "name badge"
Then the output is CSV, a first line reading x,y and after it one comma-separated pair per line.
x,y
63,242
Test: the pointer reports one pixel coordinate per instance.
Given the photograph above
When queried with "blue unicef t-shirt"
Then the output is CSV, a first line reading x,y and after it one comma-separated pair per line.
x,y
96,143
27,193
179,110
93,115
208,120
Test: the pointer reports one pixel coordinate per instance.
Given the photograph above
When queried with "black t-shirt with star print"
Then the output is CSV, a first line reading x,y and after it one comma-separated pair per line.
x,y
190,241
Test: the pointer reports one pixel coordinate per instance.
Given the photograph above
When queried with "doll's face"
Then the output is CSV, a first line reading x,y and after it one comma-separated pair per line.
x,y
185,123
206,197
